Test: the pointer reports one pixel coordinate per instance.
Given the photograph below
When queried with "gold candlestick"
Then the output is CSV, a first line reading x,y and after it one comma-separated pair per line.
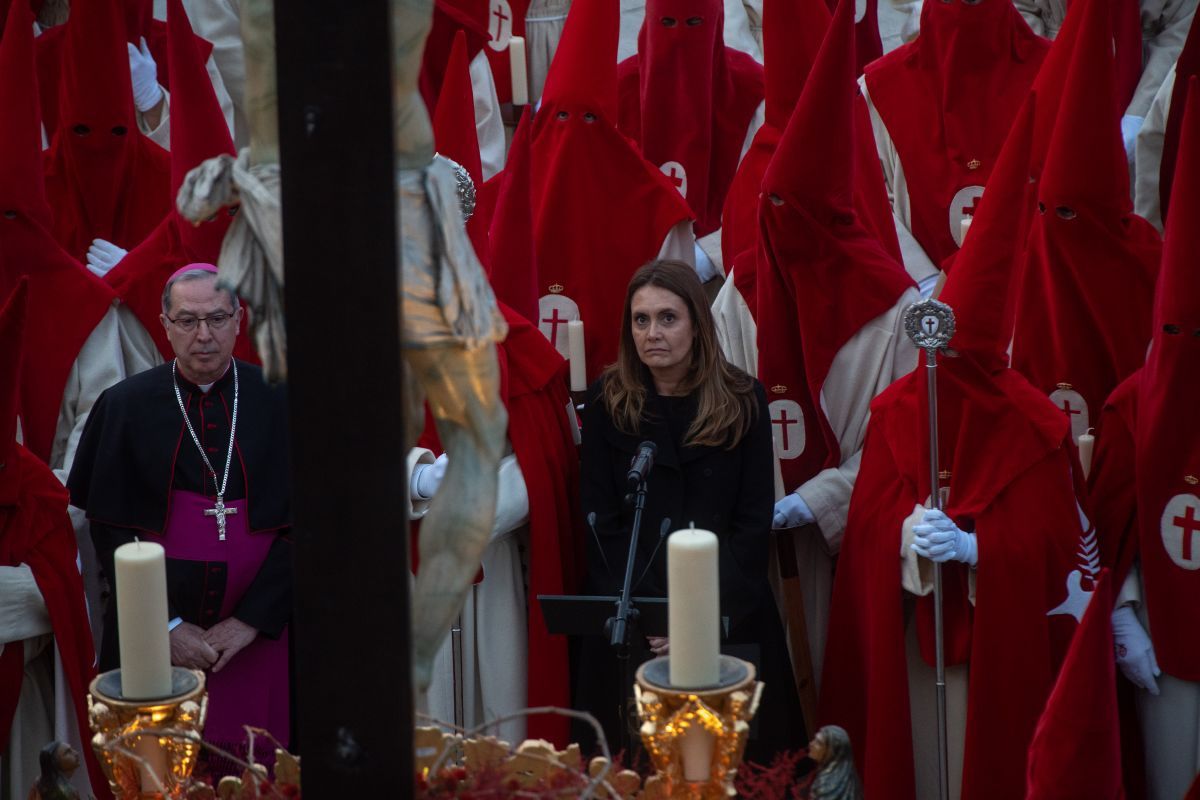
x,y
148,748
673,719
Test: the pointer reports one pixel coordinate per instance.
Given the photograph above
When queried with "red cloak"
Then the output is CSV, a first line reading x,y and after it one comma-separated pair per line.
x,y
35,530
1005,448
1167,450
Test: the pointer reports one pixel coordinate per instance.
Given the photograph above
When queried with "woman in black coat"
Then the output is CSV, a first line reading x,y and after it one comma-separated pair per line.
x,y
713,468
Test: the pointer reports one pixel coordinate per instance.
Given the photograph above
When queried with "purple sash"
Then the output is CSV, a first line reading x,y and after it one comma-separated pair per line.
x,y
252,689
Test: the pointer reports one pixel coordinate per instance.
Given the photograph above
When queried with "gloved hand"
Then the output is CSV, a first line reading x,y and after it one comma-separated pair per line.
x,y
102,256
792,512
1130,125
705,268
1134,651
937,538
426,478
143,74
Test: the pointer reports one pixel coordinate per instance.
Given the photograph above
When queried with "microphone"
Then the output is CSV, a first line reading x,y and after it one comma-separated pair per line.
x,y
641,465
663,530
591,521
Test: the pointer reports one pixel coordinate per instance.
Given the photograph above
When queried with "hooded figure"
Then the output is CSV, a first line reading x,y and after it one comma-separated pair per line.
x,y
84,343
45,619
830,334
199,133
941,107
600,209
690,102
1083,308
791,42
1011,512
104,179
1144,486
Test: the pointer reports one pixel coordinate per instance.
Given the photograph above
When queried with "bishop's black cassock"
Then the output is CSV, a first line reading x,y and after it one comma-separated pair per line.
x,y
138,473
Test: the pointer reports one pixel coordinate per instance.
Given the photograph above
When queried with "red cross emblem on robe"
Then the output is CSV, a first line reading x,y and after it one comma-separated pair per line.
x,y
554,312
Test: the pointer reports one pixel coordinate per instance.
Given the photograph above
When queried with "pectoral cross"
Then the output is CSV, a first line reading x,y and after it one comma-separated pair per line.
x,y
220,510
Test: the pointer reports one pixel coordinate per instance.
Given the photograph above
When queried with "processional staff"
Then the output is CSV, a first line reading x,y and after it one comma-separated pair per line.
x,y
930,325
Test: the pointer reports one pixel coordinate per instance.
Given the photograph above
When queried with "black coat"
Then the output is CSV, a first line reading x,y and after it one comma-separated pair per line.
x,y
730,491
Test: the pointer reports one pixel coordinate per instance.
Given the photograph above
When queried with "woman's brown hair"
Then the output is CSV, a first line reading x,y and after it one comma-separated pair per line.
x,y
726,405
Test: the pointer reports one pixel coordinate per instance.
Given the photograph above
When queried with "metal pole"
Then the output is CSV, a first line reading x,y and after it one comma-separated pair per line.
x,y
930,325
456,650
935,498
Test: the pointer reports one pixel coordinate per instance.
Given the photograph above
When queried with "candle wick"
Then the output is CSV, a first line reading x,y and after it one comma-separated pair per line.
x,y
138,542
692,524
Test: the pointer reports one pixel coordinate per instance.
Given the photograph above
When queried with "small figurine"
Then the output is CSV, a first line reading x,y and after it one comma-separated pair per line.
x,y
58,761
835,778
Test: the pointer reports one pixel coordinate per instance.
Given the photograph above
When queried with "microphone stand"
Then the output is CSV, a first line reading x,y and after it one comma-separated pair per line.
x,y
627,613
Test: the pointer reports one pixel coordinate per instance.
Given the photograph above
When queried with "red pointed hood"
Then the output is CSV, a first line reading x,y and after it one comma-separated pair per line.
x,y
583,74
198,127
823,275
688,100
513,270
1085,162
103,178
589,181
1083,312
813,167
972,49
21,182
792,34
1076,748
12,330
455,136
1168,441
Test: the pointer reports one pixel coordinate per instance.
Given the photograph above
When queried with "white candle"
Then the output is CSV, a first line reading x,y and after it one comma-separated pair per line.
x,y
696,752
578,359
1087,442
520,82
145,645
694,608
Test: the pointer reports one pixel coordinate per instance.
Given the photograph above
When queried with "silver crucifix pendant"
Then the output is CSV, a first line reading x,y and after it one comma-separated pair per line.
x,y
220,511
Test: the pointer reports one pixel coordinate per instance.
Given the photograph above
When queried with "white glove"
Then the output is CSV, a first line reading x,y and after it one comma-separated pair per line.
x,y
1134,651
426,478
937,538
1130,125
143,74
792,512
102,256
